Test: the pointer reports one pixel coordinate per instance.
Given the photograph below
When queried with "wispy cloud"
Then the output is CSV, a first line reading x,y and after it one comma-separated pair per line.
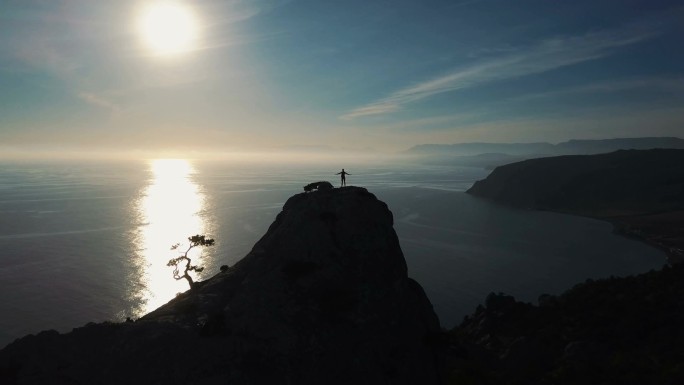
x,y
434,123
37,53
67,68
544,56
489,115
99,101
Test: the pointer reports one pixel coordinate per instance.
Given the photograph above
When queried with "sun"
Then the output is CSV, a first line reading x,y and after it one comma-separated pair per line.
x,y
168,27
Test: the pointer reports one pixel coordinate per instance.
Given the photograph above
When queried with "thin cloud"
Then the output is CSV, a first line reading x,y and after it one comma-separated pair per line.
x,y
545,56
99,101
373,109
432,123
39,54
491,113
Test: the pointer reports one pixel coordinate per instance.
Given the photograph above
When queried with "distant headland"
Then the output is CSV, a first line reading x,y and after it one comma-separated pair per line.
x,y
640,191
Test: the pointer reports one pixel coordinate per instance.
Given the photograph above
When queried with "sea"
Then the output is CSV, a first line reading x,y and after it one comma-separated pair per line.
x,y
89,241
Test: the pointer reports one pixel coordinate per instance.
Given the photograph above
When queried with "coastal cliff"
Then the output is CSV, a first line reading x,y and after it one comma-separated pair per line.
x,y
323,297
610,331
640,191
624,182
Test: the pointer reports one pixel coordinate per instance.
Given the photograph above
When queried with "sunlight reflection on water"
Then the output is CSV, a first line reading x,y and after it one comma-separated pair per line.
x,y
168,210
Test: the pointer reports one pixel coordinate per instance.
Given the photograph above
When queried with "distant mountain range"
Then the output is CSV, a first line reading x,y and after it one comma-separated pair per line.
x,y
572,147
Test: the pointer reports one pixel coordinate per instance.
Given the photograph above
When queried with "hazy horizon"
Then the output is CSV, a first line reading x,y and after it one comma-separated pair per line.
x,y
281,154
175,78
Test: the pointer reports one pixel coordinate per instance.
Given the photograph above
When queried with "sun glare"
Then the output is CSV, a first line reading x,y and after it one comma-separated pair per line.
x,y
168,27
169,209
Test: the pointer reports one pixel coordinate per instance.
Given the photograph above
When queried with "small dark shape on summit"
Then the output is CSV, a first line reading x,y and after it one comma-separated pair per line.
x,y
322,185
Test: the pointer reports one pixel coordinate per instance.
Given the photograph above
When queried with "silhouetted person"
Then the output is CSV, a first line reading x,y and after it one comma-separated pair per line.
x,y
342,174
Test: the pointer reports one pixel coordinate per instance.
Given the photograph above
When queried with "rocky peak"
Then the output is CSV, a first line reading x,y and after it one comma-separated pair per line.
x,y
323,297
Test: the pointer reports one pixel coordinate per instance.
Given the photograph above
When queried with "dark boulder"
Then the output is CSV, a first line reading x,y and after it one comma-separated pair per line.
x,y
322,185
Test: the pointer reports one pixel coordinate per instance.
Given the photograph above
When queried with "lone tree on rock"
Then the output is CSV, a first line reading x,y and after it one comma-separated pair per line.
x,y
177,263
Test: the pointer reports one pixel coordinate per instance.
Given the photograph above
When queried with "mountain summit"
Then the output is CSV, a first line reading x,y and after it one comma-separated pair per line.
x,y
322,298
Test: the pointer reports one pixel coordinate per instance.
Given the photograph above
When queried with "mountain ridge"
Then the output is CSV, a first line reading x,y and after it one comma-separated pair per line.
x,y
574,146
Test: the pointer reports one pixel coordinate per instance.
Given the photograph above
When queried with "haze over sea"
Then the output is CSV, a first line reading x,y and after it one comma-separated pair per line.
x,y
88,242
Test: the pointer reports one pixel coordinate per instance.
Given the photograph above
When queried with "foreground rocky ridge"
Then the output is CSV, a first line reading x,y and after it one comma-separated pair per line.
x,y
323,297
612,331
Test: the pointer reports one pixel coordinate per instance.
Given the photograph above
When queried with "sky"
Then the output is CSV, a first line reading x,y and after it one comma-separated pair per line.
x,y
360,76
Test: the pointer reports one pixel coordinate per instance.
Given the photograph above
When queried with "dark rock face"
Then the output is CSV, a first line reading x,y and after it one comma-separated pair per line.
x,y
612,331
605,185
323,297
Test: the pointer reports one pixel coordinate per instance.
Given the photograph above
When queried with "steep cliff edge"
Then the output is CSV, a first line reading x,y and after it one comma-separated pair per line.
x,y
323,297
640,191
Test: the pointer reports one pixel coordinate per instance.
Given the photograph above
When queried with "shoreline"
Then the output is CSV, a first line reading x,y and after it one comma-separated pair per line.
x,y
640,227
629,226
662,239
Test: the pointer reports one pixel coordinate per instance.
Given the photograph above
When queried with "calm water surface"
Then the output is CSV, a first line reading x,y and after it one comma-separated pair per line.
x,y
89,242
